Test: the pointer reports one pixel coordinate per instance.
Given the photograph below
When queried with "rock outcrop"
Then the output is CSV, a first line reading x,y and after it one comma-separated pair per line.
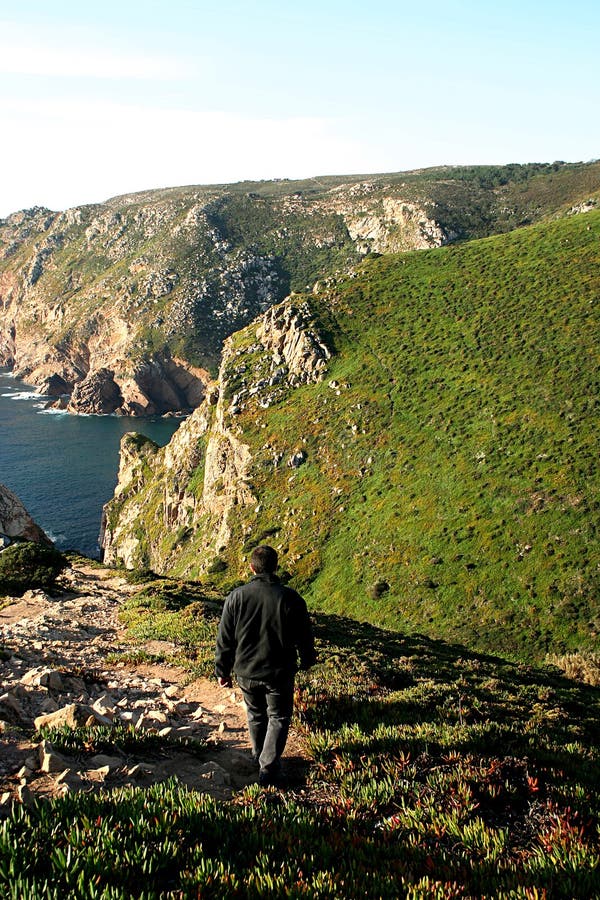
x,y
195,485
126,304
15,521
98,393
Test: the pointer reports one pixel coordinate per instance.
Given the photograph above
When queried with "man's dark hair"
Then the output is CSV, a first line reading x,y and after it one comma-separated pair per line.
x,y
264,560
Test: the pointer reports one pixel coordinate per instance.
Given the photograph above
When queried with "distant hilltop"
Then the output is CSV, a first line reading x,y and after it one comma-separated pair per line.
x,y
123,307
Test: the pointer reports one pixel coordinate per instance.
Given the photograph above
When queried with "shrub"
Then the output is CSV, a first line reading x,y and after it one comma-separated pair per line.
x,y
26,565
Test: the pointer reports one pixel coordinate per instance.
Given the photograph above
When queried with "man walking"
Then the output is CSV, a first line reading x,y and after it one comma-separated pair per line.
x,y
263,629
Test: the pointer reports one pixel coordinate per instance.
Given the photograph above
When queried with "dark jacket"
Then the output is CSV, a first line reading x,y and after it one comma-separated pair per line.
x,y
263,629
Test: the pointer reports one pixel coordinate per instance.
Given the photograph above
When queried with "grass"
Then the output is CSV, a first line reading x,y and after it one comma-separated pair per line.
x,y
435,772
458,465
455,463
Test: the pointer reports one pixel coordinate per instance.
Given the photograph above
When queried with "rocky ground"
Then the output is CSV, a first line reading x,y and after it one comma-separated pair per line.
x,y
54,670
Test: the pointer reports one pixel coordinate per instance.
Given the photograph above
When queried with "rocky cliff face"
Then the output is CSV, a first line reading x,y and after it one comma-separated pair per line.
x,y
15,521
194,486
126,304
123,307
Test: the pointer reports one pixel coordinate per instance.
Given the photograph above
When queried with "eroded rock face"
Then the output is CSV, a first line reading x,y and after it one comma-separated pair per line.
x,y
15,521
55,386
98,394
101,287
201,480
287,332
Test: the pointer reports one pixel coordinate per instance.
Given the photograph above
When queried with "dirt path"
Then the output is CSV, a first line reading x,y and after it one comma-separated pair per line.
x,y
55,657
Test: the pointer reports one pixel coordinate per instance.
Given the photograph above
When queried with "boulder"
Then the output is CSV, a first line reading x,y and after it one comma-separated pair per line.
x,y
54,386
97,394
74,715
50,759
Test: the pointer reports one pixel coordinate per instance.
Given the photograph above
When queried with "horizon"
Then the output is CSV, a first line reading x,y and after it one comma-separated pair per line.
x,y
100,103
300,179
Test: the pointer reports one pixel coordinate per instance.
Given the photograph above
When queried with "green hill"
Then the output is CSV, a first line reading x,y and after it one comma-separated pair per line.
x,y
449,477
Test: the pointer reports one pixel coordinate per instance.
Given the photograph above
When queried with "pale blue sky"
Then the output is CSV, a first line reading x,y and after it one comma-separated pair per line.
x,y
102,99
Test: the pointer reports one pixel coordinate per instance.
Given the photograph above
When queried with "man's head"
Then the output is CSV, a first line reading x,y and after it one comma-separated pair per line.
x,y
263,560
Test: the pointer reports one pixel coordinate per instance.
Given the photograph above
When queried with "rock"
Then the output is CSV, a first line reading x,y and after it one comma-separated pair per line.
x,y
51,679
73,716
15,521
297,459
102,760
97,394
70,781
24,795
140,770
50,760
212,771
11,708
289,333
157,717
184,731
54,386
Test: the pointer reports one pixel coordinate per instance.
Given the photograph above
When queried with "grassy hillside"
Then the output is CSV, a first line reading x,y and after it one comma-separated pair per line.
x,y
433,773
451,481
180,269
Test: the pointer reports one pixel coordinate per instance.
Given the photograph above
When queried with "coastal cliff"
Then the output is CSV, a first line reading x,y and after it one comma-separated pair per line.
x,y
173,507
123,307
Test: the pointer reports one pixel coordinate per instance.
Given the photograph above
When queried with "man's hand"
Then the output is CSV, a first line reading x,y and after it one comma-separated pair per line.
x,y
225,682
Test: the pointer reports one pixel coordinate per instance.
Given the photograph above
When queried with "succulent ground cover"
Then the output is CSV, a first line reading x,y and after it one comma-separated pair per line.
x,y
435,772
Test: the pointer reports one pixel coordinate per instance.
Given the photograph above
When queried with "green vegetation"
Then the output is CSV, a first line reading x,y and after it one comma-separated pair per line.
x,y
26,565
434,773
86,742
456,463
450,483
186,267
449,493
182,613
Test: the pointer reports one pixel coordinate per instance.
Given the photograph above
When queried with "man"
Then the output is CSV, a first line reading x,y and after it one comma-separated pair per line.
x,y
263,629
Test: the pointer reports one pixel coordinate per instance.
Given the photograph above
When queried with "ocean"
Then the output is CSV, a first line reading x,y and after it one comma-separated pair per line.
x,y
64,467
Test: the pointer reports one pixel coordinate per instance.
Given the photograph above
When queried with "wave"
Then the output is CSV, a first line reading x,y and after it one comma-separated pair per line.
x,y
22,395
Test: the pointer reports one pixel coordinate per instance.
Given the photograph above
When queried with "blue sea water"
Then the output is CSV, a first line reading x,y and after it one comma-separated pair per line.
x,y
64,467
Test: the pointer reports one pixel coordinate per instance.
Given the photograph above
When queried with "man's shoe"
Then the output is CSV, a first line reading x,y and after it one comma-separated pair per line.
x,y
272,779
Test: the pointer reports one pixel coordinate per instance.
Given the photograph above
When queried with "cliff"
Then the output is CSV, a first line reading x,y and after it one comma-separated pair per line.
x,y
15,521
122,307
194,486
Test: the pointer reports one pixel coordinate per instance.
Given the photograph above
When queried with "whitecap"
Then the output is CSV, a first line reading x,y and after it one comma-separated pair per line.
x,y
50,412
23,395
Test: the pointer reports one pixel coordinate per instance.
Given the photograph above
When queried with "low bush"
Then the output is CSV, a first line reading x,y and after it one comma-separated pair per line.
x,y
27,565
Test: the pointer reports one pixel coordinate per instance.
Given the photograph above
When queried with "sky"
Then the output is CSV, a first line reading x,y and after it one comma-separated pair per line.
x,y
101,99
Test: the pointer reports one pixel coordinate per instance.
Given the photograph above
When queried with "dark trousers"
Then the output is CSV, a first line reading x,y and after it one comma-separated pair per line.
x,y
269,706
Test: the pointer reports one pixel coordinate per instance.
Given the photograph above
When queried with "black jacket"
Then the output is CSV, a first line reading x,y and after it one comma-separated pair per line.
x,y
263,628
